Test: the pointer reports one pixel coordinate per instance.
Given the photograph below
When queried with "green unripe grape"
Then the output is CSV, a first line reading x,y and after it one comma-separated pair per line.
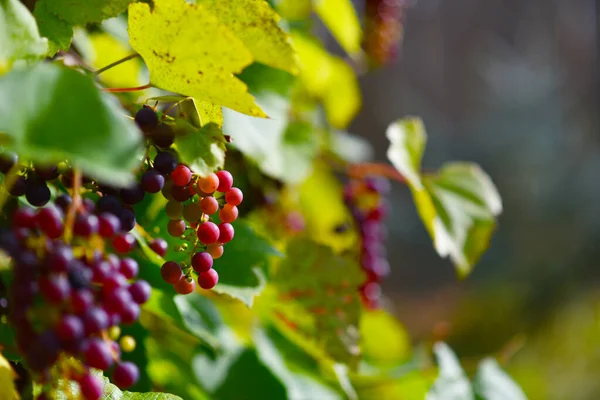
x,y
114,332
127,344
174,209
192,212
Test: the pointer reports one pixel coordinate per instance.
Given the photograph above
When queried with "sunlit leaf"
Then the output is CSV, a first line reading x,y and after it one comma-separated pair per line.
x,y
385,342
329,79
19,35
452,383
108,49
458,205
197,59
7,377
50,98
492,383
58,32
202,150
341,19
84,12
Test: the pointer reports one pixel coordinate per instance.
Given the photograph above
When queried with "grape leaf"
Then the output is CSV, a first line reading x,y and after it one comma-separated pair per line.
x,y
82,12
52,113
19,35
385,342
107,49
7,377
492,383
318,296
452,382
255,23
58,32
188,50
281,149
341,19
329,79
202,150
457,205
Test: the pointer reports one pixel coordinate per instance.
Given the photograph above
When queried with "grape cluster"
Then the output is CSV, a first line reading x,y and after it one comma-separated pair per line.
x,y
192,201
365,200
383,29
67,295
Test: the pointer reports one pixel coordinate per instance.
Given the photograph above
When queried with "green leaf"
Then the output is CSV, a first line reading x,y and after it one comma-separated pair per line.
x,y
202,150
80,12
281,149
256,24
112,392
457,205
197,59
243,264
19,36
51,113
201,317
329,79
58,32
452,382
261,78
341,19
410,386
492,383
318,296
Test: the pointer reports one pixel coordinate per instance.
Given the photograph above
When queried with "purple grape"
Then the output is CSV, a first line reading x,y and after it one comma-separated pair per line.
x,y
127,219
63,201
117,300
130,313
19,187
140,291
91,387
165,162
125,374
108,204
95,320
152,181
55,288
37,194
7,161
132,195
129,268
69,328
109,224
97,354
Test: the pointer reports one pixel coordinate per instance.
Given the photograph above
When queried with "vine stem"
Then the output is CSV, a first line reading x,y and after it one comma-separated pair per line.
x,y
75,205
9,180
129,89
364,169
112,65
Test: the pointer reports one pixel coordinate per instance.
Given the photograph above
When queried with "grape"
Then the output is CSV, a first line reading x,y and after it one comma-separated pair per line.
x,y
128,267
378,185
181,175
146,119
59,259
19,187
108,204
24,217
95,320
171,272
140,291
55,288
125,374
226,232
126,219
152,181
208,279
228,213
159,246
81,300
69,328
130,313
46,172
113,282
91,387
79,276
234,196
163,136
7,161
167,190
97,354
181,193
209,183
202,262
127,344
174,209
117,300
86,225
225,181
132,195
109,224
215,250
209,205
124,243
192,212
63,201
208,232
49,221
176,228
165,162
183,286
37,194
88,205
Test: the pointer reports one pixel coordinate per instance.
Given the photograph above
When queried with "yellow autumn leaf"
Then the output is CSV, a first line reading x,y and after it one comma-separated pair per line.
x,y
329,79
254,22
341,19
188,50
7,384
107,49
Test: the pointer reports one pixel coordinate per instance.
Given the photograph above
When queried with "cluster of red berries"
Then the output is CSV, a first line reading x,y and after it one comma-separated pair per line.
x,y
66,294
383,29
365,200
192,200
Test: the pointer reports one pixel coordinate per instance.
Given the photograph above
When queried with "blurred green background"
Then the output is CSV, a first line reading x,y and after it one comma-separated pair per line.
x,y
512,85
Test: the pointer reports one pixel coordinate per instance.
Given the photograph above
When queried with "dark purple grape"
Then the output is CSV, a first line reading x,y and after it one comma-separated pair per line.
x,y
88,205
109,224
55,288
152,181
49,220
146,119
165,162
42,351
46,172
24,217
95,320
180,193
101,270
112,282
159,246
63,201
91,387
129,268
86,225
117,300
80,277
108,204
81,301
97,354
130,313
140,291
69,328
127,219
37,194
125,374
132,195
7,161
19,187
163,136
59,258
